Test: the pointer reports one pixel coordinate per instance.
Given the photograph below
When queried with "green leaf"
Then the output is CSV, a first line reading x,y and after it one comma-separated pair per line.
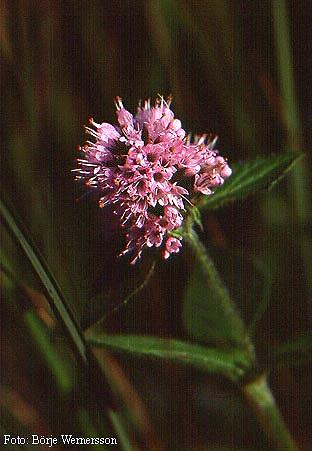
x,y
248,279
207,317
231,364
249,176
52,290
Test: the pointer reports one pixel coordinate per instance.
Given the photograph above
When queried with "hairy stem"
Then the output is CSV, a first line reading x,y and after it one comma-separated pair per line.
x,y
216,285
260,398
257,393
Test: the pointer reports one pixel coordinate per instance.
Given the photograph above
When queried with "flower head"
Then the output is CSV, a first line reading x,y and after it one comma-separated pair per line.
x,y
140,166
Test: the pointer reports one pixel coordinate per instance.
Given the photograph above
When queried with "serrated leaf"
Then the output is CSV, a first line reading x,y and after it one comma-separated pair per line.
x,y
249,176
229,363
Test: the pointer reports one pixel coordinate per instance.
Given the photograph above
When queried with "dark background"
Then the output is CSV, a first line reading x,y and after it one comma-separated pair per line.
x,y
227,67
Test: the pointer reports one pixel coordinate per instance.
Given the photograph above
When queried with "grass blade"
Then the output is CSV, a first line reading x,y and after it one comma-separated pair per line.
x,y
51,288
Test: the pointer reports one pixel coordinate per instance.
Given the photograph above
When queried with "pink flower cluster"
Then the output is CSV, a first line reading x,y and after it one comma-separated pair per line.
x,y
140,167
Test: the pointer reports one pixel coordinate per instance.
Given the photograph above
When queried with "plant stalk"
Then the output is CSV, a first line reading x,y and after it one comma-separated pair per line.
x,y
257,393
215,283
260,398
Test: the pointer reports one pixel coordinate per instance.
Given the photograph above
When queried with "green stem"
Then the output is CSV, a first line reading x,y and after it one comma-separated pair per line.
x,y
257,393
216,285
260,398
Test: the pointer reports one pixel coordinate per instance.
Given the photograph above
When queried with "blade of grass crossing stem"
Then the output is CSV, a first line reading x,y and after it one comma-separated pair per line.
x,y
51,288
